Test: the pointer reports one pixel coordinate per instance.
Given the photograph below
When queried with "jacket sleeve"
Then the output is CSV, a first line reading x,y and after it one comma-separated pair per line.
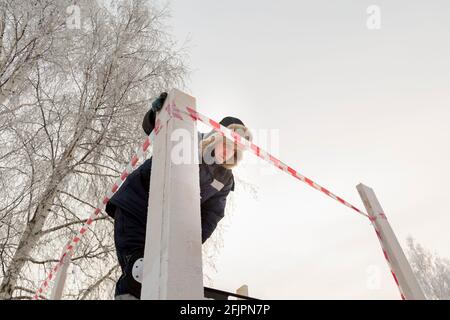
x,y
148,124
213,210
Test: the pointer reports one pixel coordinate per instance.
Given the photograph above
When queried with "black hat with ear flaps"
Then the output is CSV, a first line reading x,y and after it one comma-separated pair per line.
x,y
233,124
231,120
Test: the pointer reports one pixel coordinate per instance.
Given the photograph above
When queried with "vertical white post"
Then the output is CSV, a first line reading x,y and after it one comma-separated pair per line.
x,y
173,247
398,263
60,280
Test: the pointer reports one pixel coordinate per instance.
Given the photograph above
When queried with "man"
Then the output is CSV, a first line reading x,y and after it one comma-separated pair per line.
x,y
129,204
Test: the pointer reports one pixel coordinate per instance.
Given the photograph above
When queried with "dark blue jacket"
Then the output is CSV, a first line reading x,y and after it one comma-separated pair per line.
x,y
132,199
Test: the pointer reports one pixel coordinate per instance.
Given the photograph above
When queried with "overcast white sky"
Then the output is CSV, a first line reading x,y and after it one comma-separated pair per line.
x,y
351,105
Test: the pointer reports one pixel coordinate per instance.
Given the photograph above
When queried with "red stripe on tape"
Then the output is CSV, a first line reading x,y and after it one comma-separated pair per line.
x,y
192,113
292,171
124,175
177,116
395,278
214,124
325,191
157,126
236,136
114,188
385,255
378,234
255,149
134,160
310,182
146,144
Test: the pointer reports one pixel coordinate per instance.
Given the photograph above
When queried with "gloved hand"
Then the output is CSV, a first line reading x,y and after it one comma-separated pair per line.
x,y
148,124
159,102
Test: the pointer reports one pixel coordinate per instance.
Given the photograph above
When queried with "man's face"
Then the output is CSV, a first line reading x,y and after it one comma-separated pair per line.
x,y
223,151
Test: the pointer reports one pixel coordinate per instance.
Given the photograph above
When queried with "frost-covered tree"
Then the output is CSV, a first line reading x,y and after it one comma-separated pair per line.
x,y
432,271
71,106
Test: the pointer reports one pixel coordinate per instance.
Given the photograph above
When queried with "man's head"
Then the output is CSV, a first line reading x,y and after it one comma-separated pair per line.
x,y
226,152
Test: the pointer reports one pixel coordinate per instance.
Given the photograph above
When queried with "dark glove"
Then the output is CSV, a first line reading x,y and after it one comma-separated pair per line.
x,y
159,102
148,124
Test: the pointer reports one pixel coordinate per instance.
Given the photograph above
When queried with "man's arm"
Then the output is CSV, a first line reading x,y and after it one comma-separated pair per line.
x,y
213,210
148,124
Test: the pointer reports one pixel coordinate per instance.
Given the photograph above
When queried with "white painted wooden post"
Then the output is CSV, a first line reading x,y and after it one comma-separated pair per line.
x,y
399,264
173,250
60,280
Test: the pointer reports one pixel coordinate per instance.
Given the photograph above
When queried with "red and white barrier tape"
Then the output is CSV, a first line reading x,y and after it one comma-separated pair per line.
x,y
244,143
69,249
